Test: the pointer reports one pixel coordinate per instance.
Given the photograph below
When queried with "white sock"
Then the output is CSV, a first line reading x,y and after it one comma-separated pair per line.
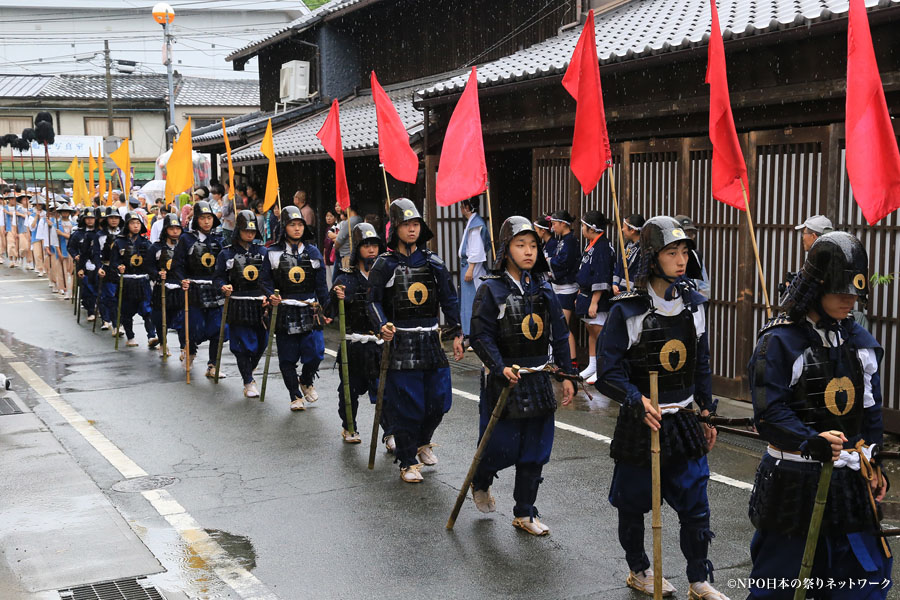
x,y
592,363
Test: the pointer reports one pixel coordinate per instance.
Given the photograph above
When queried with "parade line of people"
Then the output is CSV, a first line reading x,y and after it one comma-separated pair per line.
x,y
814,375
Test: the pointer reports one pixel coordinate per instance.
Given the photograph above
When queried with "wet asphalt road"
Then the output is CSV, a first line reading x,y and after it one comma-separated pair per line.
x,y
298,508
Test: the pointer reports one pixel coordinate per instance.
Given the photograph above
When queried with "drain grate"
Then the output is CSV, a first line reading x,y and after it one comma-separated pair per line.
x,y
122,589
8,407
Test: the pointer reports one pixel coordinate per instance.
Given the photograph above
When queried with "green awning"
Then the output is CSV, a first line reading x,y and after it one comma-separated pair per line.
x,y
143,171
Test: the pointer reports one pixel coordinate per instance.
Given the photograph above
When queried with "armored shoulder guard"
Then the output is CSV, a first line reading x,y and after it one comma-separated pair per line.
x,y
629,295
433,258
781,320
486,277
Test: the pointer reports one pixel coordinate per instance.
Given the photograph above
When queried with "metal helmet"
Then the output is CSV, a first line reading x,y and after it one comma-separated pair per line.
x,y
170,220
837,263
292,213
203,208
363,234
133,216
512,227
656,234
106,213
403,210
245,221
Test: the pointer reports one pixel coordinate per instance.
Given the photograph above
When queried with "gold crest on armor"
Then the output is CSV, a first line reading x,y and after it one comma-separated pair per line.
x,y
169,265
207,260
836,386
677,348
136,260
408,213
678,233
538,325
417,293
250,273
296,274
859,282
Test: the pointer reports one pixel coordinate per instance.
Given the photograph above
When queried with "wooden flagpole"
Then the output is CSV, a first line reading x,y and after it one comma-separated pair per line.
x,y
487,191
759,269
615,201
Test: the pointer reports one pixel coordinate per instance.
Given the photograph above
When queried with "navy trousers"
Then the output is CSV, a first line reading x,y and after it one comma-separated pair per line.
x,y
305,348
416,401
248,344
684,489
204,325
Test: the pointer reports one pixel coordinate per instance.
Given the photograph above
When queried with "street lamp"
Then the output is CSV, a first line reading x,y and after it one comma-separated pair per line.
x,y
164,15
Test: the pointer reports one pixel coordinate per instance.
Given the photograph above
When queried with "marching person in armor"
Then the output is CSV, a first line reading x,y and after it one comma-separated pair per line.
x,y
363,346
814,379
238,269
107,280
296,269
128,256
631,235
661,326
193,264
520,333
159,268
81,244
408,285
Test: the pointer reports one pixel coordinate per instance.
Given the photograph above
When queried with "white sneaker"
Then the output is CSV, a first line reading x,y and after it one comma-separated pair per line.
x,y
250,390
153,342
106,325
297,404
426,455
118,332
389,444
591,369
484,501
642,581
701,590
211,372
131,344
91,318
592,379
411,474
309,393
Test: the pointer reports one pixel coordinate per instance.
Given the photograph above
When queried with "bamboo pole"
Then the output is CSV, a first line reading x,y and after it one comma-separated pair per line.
x,y
615,201
656,494
187,337
345,370
487,191
485,438
815,523
759,269
379,399
165,325
272,322
221,339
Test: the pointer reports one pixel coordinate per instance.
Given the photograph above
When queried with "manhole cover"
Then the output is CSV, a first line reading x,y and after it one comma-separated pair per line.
x,y
144,484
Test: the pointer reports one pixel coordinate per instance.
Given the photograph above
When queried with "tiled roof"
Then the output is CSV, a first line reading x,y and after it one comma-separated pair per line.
x,y
247,125
191,91
12,86
197,91
647,27
359,127
299,24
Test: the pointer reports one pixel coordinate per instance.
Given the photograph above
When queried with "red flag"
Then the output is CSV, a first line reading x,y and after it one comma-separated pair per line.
x,y
394,151
462,172
330,136
728,166
590,144
873,163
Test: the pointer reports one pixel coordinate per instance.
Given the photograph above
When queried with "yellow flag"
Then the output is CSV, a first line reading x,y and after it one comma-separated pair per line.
x,y
74,171
268,150
92,165
82,187
101,174
122,158
230,168
180,168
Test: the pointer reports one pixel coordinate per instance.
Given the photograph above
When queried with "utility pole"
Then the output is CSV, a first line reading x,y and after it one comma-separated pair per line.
x,y
109,105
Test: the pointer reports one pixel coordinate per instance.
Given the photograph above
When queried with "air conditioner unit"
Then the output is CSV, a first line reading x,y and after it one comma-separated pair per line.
x,y
294,81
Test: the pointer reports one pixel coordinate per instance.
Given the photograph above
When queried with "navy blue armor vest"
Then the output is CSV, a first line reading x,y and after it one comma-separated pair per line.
x,y
413,295
244,273
107,249
295,274
201,260
668,345
164,260
829,393
132,257
357,316
525,330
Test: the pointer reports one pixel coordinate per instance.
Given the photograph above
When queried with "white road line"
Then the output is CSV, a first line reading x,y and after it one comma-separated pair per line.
x,y
743,485
244,583
5,352
30,279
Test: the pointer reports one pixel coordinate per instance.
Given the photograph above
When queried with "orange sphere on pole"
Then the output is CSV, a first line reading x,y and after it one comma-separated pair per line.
x,y
163,13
